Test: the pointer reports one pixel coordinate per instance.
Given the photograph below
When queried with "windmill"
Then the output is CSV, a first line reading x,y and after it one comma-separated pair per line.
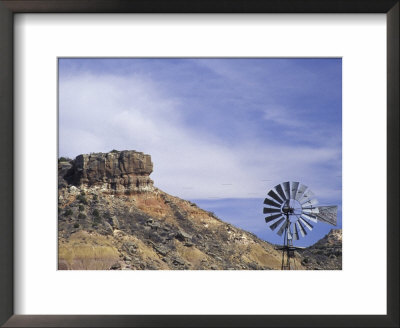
x,y
292,210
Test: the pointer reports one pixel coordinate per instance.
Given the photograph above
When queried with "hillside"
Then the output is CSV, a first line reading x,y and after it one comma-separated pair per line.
x,y
111,216
326,254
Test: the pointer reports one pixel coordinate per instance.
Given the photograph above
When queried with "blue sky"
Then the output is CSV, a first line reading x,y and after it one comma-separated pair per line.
x,y
221,132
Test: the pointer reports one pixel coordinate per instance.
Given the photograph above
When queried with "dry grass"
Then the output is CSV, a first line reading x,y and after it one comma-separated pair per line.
x,y
86,252
146,253
87,257
191,254
255,253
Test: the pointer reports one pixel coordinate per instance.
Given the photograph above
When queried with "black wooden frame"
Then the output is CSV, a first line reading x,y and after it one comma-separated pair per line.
x,y
7,10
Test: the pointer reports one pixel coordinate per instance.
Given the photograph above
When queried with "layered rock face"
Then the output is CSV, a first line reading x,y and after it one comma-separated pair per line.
x,y
118,171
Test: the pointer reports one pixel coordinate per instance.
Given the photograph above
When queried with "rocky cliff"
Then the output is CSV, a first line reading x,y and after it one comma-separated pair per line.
x,y
110,216
117,171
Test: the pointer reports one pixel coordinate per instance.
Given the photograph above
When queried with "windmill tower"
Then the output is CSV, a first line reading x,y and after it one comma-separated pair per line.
x,y
291,207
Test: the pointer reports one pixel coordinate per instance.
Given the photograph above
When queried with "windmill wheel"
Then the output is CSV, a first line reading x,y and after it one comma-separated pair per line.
x,y
291,208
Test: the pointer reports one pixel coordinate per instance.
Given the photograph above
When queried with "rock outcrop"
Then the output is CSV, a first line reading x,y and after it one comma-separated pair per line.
x,y
117,171
325,254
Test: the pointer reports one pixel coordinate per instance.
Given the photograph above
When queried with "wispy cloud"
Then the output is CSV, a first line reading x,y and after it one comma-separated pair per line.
x,y
282,116
202,145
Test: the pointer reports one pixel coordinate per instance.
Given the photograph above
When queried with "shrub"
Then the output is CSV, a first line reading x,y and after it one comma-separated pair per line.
x,y
82,199
68,212
213,215
96,216
81,208
114,151
64,159
95,197
76,225
83,192
81,216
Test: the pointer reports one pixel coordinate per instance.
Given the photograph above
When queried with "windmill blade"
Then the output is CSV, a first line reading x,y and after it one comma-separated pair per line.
x,y
268,201
327,214
280,231
296,232
273,195
309,202
308,225
310,210
300,192
271,210
301,228
276,224
310,217
286,188
272,217
280,192
295,186
306,196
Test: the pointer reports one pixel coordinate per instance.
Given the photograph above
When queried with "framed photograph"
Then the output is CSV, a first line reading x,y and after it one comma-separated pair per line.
x,y
170,163
190,206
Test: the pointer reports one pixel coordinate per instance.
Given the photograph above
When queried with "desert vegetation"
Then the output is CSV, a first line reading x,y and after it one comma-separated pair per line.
x,y
87,252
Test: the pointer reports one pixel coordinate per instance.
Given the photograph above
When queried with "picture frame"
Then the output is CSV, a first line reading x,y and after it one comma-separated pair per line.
x,y
7,10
